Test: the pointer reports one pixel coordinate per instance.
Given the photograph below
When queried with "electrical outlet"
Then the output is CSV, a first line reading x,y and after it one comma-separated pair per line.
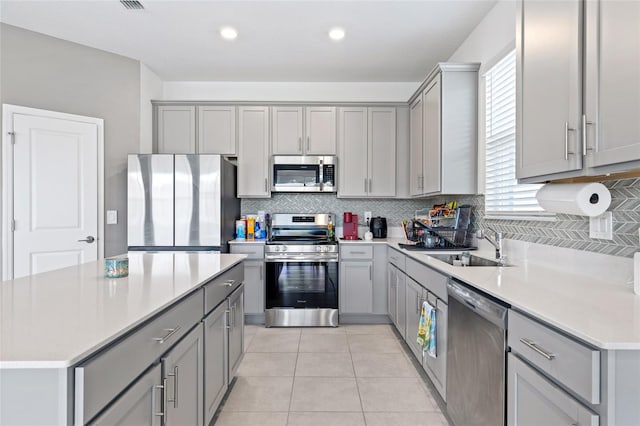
x,y
367,217
601,226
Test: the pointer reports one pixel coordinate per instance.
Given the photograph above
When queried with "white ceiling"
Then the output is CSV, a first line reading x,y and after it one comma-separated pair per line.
x,y
386,41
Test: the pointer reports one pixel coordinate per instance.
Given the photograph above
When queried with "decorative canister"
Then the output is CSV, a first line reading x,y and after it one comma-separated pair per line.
x,y
116,267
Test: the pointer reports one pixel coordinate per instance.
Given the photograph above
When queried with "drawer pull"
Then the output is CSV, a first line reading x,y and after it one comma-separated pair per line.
x,y
357,252
530,344
171,331
229,283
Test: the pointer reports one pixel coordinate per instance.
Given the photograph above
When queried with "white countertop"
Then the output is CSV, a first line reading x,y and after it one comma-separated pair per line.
x,y
584,294
57,318
590,298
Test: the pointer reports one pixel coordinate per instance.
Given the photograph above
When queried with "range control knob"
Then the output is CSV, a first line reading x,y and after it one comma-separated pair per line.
x,y
283,248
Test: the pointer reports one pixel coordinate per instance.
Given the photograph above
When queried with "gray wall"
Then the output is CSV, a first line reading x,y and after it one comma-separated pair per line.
x,y
43,72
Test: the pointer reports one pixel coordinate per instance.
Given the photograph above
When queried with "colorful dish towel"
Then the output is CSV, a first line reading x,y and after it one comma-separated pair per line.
x,y
427,329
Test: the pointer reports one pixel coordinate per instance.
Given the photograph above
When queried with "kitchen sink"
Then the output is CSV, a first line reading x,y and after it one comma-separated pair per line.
x,y
473,260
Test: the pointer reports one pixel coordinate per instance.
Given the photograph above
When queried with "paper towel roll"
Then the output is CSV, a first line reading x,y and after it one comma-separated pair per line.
x,y
585,199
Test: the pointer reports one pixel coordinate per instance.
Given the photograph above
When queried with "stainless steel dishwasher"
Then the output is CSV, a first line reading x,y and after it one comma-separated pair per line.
x,y
476,358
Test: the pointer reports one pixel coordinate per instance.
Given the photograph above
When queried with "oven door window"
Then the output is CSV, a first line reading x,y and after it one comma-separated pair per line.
x,y
295,175
302,285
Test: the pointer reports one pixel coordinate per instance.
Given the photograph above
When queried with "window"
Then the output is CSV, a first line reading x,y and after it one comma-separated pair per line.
x,y
504,197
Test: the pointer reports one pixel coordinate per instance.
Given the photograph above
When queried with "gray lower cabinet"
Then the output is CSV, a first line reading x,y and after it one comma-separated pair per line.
x,y
141,404
414,297
254,287
363,283
392,292
436,368
396,293
254,274
182,372
215,360
236,330
532,400
356,287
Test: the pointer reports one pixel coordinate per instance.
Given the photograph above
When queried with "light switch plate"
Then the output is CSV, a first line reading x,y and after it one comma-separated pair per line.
x,y
601,227
112,217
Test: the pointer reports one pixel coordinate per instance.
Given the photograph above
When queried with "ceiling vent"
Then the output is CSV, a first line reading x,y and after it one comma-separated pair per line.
x,y
132,4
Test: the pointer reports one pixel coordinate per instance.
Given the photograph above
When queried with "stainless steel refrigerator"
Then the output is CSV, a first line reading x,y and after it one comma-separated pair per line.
x,y
181,202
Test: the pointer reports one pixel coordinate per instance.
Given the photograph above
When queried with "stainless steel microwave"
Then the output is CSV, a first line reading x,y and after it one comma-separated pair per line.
x,y
303,173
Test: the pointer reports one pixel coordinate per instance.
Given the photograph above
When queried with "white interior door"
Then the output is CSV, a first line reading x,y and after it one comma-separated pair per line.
x,y
55,193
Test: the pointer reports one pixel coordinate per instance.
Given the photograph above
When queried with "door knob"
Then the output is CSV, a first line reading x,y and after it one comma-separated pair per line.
x,y
89,239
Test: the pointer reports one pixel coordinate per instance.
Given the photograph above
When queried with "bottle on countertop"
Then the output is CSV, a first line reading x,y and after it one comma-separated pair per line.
x,y
251,228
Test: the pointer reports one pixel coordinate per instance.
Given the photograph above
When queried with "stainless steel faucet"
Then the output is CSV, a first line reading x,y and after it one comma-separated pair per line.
x,y
496,242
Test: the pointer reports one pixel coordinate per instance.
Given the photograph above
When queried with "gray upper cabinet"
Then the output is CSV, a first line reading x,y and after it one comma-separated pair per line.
x,y
416,179
253,152
444,132
431,145
287,130
549,88
176,129
367,152
578,99
612,81
217,129
300,130
320,130
195,129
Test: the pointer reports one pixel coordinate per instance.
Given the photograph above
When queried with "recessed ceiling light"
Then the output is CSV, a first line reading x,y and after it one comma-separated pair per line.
x,y
336,34
228,33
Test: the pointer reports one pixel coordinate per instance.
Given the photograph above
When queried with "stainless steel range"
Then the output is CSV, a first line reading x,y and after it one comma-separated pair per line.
x,y
301,257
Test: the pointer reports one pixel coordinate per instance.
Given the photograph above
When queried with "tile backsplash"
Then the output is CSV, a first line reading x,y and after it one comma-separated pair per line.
x,y
573,231
567,231
394,210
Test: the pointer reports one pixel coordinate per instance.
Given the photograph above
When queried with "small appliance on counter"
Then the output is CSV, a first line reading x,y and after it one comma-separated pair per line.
x,y
378,227
350,226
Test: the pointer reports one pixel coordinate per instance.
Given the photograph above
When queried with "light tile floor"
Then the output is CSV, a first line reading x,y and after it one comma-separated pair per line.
x,y
350,375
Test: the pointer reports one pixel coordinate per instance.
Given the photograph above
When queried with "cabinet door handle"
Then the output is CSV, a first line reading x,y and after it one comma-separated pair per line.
x,y
261,273
585,123
175,387
233,317
417,304
532,345
369,184
300,144
266,185
171,332
365,185
163,398
308,144
227,321
419,182
370,273
567,129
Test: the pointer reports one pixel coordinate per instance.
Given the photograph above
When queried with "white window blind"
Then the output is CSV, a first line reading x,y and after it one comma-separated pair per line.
x,y
504,196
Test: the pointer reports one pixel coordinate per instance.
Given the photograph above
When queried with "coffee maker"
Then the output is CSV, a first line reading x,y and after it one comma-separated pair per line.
x,y
350,226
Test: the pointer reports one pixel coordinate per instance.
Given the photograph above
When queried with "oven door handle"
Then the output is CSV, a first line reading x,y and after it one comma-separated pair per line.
x,y
300,259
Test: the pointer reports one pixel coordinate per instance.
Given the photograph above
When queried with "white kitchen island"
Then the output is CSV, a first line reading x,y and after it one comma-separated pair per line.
x,y
53,324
